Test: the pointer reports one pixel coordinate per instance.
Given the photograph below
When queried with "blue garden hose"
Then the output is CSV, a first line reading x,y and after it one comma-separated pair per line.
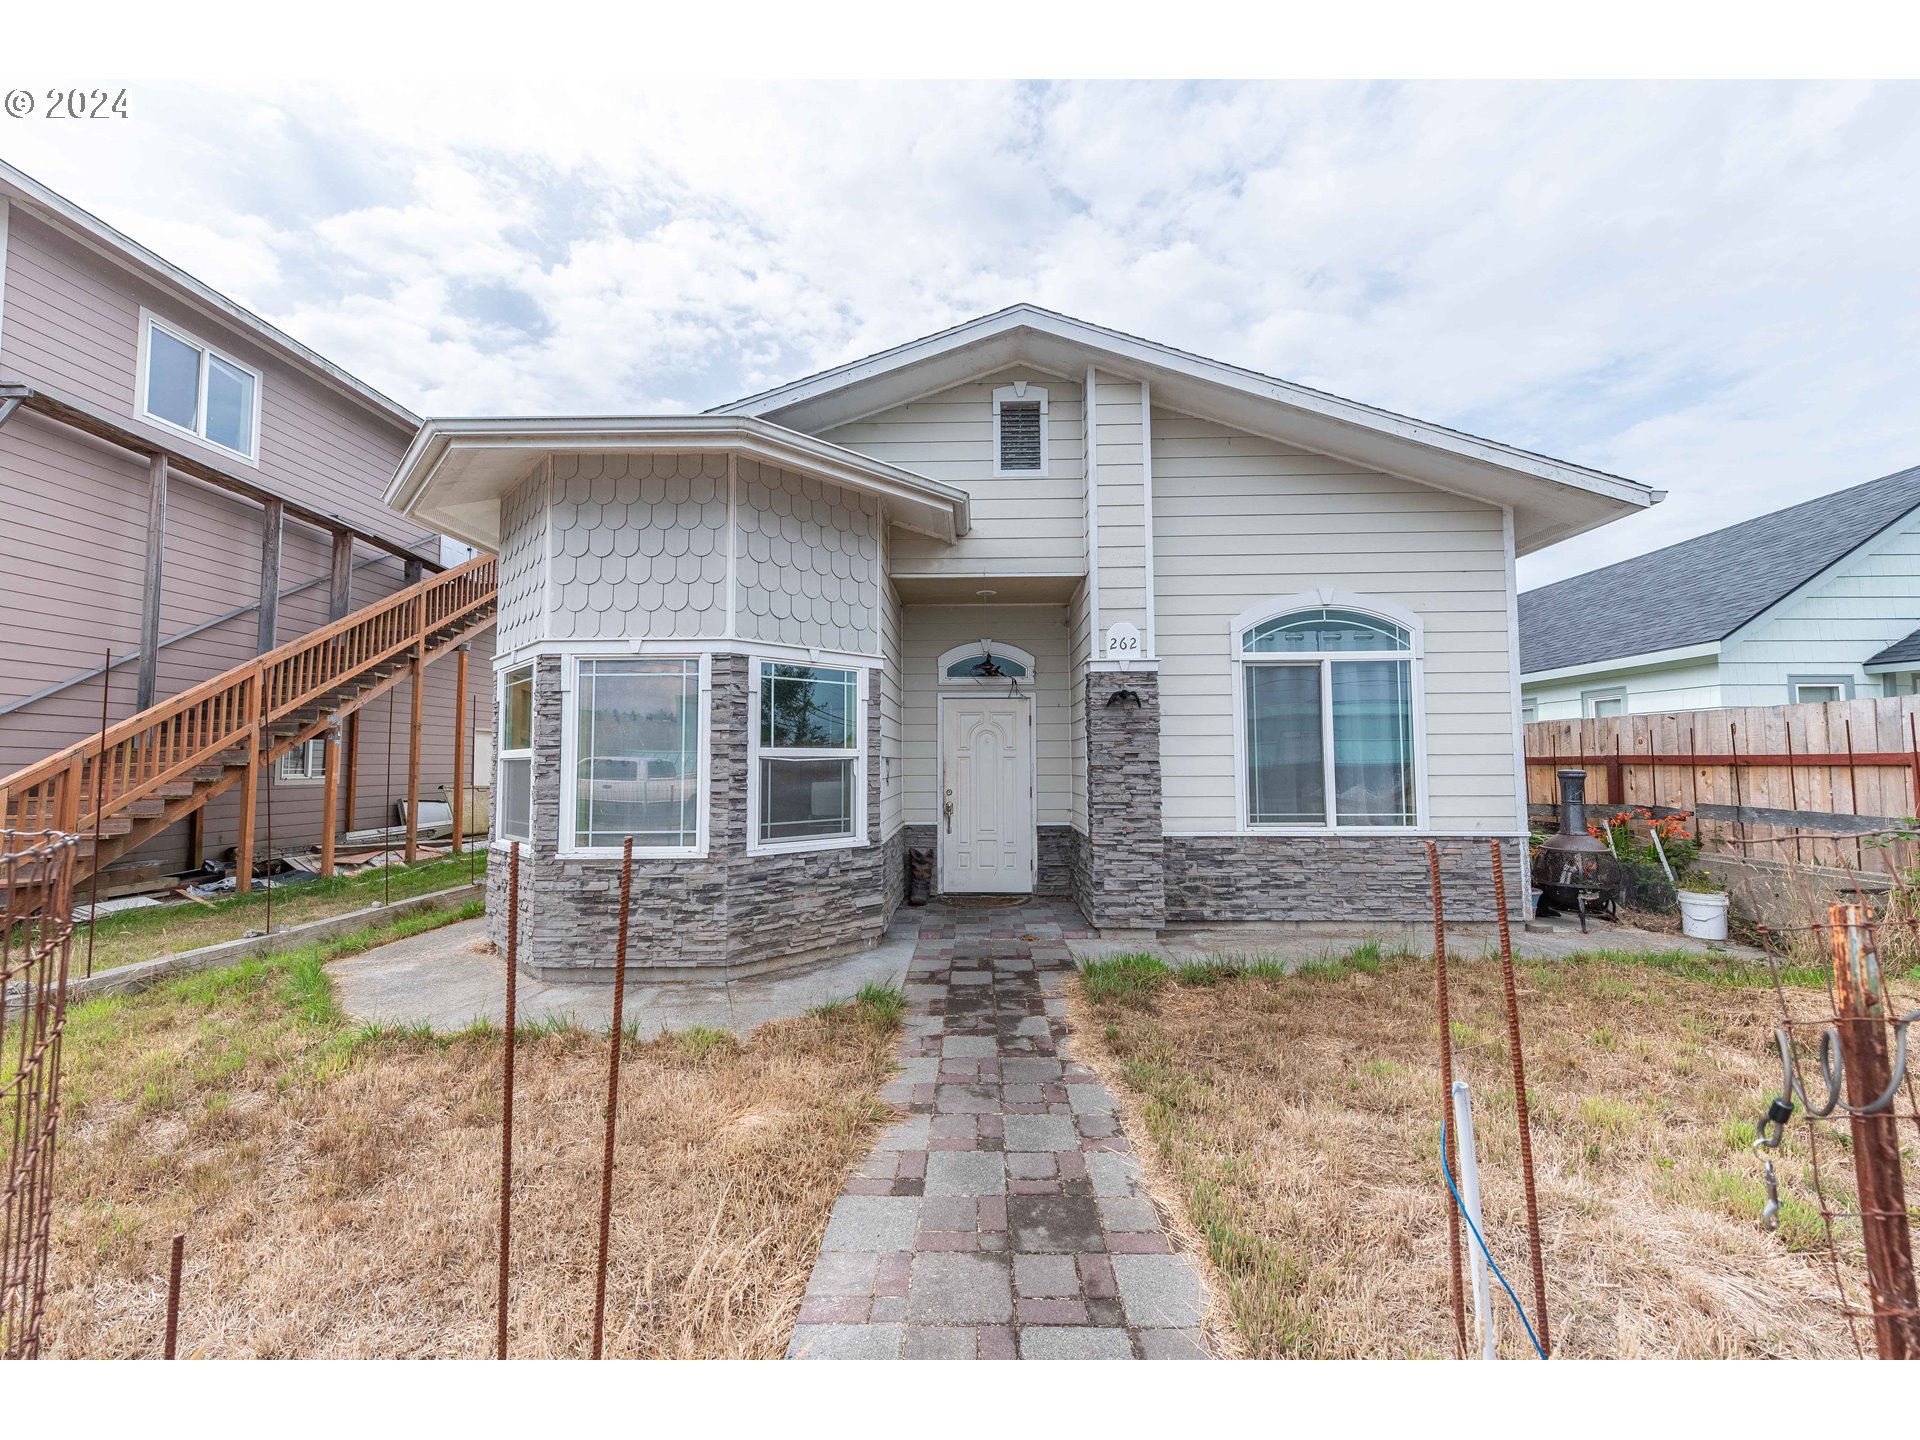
x,y
1518,1309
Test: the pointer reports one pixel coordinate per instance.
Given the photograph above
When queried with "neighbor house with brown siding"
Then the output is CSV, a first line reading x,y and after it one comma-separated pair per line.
x,y
184,486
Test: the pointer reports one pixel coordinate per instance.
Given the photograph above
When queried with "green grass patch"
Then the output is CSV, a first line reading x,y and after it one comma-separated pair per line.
x,y
130,936
1131,976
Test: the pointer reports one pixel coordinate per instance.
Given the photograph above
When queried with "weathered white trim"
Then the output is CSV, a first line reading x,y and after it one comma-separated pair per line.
x,y
546,564
1088,408
1651,659
102,239
757,846
733,545
1146,497
208,353
1513,671
667,645
567,849
1020,390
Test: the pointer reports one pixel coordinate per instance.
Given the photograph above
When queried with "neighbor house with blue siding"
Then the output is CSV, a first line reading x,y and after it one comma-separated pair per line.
x,y
1817,602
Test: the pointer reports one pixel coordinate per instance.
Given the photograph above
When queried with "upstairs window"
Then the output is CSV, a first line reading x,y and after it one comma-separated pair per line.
x,y
1020,430
187,385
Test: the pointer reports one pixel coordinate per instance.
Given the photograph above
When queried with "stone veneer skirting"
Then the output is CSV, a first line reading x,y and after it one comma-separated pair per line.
x,y
728,912
1215,879
1054,870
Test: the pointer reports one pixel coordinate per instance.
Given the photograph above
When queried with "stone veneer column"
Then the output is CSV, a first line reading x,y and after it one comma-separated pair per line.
x,y
1121,882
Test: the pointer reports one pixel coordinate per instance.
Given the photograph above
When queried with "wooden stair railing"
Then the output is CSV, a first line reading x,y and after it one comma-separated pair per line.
x,y
159,765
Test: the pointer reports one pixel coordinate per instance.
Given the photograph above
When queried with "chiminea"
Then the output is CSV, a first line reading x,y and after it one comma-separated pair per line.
x,y
1573,866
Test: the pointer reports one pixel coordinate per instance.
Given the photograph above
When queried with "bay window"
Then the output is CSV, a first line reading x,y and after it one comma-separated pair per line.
x,y
807,763
1327,719
515,789
636,748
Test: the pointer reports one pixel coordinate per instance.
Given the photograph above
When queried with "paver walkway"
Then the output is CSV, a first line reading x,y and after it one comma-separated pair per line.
x,y
1004,1217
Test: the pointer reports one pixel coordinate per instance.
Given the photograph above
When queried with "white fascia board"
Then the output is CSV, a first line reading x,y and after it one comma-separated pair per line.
x,y
1892,667
1649,660
129,254
1146,360
914,501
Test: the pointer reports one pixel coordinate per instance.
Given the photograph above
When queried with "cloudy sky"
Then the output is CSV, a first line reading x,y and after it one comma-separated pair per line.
x,y
1710,287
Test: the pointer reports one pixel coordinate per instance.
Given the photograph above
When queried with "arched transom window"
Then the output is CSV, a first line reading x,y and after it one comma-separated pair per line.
x,y
1327,695
985,662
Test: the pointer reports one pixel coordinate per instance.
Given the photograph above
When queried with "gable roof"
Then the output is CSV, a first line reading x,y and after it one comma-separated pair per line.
x,y
1903,653
53,208
1551,499
1702,590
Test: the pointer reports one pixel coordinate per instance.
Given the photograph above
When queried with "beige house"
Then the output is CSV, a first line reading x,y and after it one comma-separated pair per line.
x,y
1073,612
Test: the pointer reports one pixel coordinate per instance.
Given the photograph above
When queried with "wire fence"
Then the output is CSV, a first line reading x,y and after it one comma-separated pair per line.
x,y
36,934
1857,1047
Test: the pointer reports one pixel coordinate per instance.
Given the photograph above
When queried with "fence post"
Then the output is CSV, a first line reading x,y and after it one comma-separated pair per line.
x,y
1876,1141
1446,1099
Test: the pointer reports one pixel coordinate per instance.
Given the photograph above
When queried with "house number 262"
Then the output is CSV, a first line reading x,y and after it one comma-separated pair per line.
x,y
1123,641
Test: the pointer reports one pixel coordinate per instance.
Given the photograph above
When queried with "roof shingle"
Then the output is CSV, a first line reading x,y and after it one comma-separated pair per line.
x,y
1704,589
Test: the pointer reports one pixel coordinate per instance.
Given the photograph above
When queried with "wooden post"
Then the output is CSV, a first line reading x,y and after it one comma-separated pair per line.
x,y
150,596
350,762
249,795
273,522
329,800
1876,1139
340,582
416,682
459,746
411,571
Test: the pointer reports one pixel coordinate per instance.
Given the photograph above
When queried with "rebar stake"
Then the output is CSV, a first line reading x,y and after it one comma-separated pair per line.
x,y
613,1099
171,1348
1520,1100
1454,1287
506,1103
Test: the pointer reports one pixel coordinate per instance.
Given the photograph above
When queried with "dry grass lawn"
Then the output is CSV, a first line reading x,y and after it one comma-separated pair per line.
x,y
339,1186
1297,1120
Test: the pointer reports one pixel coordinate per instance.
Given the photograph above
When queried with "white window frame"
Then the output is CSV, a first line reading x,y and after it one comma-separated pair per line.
x,y
1021,393
570,752
1842,683
973,650
307,774
1414,655
501,754
755,845
148,323
1589,698
1529,711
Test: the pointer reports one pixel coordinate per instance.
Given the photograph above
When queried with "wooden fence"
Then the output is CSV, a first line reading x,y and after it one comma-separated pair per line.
x,y
1803,783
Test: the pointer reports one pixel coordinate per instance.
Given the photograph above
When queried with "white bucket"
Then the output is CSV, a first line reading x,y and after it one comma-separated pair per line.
x,y
1703,917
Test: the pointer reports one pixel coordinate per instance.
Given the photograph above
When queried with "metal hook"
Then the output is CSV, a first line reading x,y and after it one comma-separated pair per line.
x,y
1770,1215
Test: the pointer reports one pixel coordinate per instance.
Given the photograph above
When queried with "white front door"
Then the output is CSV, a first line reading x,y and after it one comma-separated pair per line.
x,y
986,794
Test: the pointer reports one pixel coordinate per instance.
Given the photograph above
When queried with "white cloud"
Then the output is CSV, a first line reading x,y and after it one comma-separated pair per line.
x,y
1706,287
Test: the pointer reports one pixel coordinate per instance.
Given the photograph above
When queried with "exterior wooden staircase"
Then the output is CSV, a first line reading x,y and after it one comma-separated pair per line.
x,y
119,789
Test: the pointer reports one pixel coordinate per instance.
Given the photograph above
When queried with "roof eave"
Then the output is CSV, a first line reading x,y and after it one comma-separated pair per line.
x,y
912,501
1644,660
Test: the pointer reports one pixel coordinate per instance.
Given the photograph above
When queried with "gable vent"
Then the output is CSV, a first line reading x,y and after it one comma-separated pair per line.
x,y
1020,436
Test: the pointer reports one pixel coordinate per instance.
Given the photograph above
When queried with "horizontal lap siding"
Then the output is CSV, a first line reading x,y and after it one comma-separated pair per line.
x,y
892,720
1021,524
1120,525
930,630
72,327
1239,519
